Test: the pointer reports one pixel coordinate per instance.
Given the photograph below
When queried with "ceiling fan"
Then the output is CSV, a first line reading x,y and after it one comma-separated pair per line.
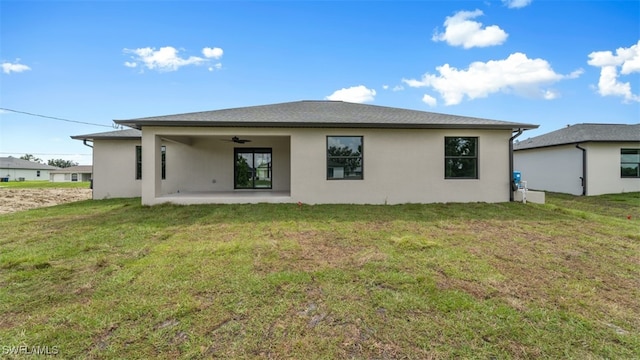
x,y
237,140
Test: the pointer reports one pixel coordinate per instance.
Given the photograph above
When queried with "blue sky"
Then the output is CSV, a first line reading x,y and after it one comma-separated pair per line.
x,y
550,63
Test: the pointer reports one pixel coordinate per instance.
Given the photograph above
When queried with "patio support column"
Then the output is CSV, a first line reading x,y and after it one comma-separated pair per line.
x,y
151,167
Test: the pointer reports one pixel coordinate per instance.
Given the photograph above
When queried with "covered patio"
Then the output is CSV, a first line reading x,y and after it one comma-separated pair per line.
x,y
214,165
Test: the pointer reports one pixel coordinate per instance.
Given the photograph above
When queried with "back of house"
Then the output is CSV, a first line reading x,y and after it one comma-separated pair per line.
x,y
582,159
307,151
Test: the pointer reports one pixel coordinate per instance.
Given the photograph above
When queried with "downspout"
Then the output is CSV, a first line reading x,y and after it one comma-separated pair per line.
x,y
84,142
511,190
583,178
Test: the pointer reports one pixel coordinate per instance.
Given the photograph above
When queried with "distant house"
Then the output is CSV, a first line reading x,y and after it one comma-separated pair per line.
x,y
306,151
72,173
20,170
583,159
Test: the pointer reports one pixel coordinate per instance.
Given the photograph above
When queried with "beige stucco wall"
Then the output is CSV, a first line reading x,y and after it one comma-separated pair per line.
x,y
556,169
400,166
603,169
114,169
559,168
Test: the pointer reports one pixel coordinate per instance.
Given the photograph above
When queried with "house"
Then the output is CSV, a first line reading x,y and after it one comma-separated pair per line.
x,y
582,159
20,170
72,173
306,151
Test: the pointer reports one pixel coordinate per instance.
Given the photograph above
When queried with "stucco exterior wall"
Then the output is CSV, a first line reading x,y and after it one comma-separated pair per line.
x,y
27,174
114,169
603,169
559,168
400,166
556,169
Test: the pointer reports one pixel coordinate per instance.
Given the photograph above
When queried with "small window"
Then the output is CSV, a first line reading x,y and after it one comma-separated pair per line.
x,y
630,163
38,173
163,151
344,158
460,157
138,162
74,177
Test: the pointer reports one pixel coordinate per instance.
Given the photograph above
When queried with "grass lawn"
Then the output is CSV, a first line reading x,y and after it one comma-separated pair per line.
x,y
113,279
35,184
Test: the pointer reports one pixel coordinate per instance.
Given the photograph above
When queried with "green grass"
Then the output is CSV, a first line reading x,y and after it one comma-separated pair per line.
x,y
43,184
113,279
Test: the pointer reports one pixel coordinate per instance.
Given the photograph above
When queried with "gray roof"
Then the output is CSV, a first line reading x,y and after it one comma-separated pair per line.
x,y
322,114
74,169
581,133
112,135
16,163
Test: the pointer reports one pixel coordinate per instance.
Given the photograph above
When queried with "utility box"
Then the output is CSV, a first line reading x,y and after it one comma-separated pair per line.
x,y
517,179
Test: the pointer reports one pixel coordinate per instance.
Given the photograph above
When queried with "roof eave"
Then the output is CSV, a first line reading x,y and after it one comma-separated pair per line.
x,y
574,143
244,124
92,138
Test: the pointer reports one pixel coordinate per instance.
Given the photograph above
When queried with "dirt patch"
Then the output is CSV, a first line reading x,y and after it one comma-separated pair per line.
x,y
12,200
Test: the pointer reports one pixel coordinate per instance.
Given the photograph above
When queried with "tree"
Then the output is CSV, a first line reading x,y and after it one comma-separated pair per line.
x,y
62,163
31,158
243,172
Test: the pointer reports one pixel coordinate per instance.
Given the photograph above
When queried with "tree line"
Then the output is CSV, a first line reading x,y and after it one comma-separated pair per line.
x,y
61,163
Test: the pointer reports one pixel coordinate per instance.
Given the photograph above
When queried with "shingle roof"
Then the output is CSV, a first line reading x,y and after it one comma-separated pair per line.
x,y
76,169
580,133
109,135
16,163
322,114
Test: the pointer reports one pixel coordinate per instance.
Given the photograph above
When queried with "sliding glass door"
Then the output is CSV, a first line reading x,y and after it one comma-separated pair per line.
x,y
252,168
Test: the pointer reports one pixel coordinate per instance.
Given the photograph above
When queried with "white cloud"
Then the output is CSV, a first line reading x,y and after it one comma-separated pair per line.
x,y
516,4
550,94
8,67
395,88
627,59
429,100
212,53
461,31
354,94
517,73
168,58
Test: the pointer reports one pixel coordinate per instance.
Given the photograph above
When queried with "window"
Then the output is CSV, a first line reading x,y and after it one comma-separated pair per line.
x,y
460,157
344,158
138,162
74,177
163,151
252,168
630,163
38,173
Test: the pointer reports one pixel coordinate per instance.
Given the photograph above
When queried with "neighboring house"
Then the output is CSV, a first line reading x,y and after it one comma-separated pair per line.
x,y
307,151
72,173
19,170
582,159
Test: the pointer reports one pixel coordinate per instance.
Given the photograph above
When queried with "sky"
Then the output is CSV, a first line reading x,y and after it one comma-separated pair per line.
x,y
82,64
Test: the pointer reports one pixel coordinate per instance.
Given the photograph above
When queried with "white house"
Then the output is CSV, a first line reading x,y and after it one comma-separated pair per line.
x,y
72,173
15,169
583,159
306,151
